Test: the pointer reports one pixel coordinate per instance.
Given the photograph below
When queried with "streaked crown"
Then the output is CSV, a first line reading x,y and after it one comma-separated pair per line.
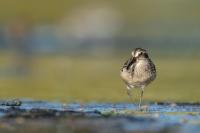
x,y
139,52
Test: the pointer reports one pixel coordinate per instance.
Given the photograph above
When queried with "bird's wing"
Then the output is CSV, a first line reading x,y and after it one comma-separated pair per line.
x,y
152,67
130,64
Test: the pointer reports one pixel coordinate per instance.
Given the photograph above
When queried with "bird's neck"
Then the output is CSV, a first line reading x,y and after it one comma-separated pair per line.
x,y
142,59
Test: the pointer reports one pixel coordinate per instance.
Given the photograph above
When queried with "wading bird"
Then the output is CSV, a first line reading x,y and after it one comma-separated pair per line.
x,y
138,72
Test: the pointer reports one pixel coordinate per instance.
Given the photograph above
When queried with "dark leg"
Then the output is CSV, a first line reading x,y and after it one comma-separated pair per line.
x,y
141,96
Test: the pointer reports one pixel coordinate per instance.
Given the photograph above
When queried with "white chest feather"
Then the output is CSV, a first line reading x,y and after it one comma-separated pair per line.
x,y
142,71
141,67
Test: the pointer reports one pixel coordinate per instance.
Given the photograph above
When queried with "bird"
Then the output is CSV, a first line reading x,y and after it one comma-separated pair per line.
x,y
138,72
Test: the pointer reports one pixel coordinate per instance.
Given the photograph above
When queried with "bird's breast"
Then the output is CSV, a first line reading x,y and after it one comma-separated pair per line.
x,y
141,67
142,71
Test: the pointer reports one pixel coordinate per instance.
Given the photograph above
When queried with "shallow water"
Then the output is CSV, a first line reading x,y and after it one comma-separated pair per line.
x,y
41,116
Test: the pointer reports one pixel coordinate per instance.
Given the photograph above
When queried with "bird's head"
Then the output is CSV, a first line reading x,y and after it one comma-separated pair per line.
x,y
140,53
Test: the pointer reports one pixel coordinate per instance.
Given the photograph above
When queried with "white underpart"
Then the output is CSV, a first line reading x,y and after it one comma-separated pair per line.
x,y
141,73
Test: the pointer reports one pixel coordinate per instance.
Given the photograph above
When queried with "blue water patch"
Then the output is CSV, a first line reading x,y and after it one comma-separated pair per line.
x,y
152,117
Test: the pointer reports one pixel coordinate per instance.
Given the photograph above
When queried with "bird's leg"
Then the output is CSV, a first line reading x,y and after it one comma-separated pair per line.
x,y
129,93
141,96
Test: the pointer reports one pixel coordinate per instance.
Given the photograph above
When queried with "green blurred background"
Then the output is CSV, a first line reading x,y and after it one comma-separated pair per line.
x,y
72,50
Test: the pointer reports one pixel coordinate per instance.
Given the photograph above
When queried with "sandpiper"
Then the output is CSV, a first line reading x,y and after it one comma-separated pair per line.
x,y
138,72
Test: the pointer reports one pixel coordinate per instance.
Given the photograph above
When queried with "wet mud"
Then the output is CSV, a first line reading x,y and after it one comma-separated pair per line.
x,y
55,117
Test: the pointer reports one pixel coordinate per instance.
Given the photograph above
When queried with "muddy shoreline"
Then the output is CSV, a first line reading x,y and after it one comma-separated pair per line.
x,y
42,117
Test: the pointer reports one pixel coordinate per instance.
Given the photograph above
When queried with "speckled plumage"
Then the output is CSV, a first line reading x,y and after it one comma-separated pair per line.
x,y
138,71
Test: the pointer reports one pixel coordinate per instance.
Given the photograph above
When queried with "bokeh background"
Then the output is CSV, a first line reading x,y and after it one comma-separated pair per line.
x,y
72,50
